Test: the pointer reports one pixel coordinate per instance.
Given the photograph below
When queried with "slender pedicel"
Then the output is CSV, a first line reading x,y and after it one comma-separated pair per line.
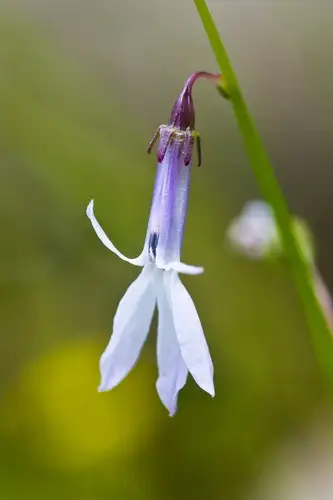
x,y
181,344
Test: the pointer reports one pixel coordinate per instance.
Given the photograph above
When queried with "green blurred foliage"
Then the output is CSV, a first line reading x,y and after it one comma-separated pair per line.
x,y
65,139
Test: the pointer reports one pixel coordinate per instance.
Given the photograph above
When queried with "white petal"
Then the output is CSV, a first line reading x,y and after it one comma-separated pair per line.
x,y
171,367
192,342
179,267
130,328
323,296
138,261
257,208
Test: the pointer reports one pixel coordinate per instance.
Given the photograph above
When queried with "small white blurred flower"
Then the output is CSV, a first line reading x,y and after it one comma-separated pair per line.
x,y
254,232
301,469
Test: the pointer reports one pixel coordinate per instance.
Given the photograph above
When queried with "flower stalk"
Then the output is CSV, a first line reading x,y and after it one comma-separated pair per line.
x,y
271,191
254,234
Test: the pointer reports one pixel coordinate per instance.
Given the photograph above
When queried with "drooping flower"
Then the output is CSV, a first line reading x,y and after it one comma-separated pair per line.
x,y
181,344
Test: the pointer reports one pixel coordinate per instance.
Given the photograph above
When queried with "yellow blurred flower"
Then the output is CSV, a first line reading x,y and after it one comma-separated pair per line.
x,y
72,425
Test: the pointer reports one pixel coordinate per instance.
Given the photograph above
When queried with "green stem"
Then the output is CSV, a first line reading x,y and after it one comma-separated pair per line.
x,y
269,186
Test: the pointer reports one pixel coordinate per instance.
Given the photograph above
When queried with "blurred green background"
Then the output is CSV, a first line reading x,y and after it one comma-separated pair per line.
x,y
83,86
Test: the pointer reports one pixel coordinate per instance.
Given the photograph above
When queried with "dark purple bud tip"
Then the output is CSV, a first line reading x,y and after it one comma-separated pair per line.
x,y
183,115
180,130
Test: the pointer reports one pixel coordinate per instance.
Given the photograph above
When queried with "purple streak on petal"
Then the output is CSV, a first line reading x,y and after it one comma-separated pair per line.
x,y
161,214
180,210
169,206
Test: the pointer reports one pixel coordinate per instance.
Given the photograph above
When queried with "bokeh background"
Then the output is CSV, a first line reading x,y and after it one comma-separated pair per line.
x,y
83,85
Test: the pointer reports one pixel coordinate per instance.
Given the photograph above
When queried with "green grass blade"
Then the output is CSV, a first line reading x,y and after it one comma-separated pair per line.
x,y
320,333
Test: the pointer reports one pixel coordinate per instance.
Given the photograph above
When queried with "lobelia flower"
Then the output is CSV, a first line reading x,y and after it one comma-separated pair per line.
x,y
254,233
181,344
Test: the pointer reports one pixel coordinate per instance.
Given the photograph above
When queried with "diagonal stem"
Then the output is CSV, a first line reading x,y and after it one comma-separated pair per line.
x,y
271,191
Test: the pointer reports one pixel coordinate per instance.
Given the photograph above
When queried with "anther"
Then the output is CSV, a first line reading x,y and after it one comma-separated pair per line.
x,y
152,244
153,140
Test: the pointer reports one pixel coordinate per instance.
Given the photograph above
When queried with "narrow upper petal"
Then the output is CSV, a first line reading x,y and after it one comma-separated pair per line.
x,y
172,370
138,261
130,328
192,342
